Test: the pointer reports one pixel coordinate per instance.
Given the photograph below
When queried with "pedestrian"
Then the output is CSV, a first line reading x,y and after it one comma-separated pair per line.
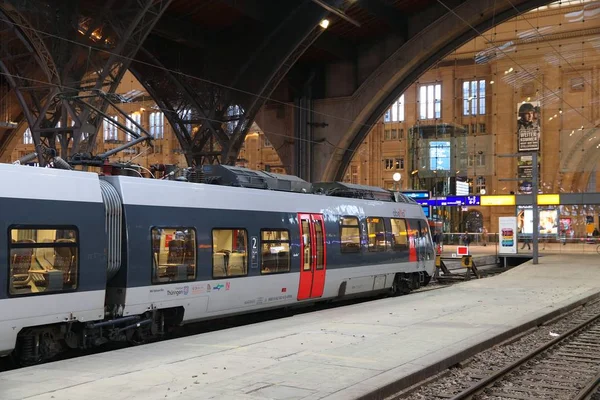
x,y
466,240
525,238
484,236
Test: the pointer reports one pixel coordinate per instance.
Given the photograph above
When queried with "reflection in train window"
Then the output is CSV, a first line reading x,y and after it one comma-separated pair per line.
x,y
173,254
399,234
230,252
349,235
275,251
376,233
43,260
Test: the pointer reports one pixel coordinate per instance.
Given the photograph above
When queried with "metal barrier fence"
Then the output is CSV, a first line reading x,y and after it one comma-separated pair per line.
x,y
480,244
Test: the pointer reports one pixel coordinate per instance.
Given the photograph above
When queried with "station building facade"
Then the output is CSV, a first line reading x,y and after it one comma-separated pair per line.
x,y
465,120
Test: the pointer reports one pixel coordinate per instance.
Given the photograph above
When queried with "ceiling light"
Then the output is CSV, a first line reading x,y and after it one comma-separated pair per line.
x,y
491,82
324,23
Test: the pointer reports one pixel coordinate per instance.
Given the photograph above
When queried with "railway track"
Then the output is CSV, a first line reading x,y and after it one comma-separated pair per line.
x,y
565,368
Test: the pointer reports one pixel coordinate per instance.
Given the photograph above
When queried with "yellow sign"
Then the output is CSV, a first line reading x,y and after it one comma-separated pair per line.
x,y
547,199
502,200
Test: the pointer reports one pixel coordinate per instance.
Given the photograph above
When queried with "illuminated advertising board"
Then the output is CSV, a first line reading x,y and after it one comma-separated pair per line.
x,y
548,221
439,155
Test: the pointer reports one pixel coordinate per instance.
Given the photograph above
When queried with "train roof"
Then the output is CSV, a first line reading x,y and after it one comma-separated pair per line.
x,y
63,185
25,182
165,193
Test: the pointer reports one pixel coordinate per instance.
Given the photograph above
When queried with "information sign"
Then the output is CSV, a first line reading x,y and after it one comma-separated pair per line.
x,y
253,252
508,235
451,201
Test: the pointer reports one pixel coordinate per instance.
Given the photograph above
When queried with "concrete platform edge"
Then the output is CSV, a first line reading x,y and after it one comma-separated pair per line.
x,y
385,392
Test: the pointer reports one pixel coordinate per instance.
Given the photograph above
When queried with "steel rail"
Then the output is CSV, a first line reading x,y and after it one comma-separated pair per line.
x,y
490,380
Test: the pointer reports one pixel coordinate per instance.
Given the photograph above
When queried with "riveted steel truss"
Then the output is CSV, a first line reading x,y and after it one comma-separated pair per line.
x,y
93,55
211,119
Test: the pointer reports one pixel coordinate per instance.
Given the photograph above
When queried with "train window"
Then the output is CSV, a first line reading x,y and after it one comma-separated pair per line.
x,y
43,260
275,251
349,235
319,243
306,257
399,234
230,252
173,254
376,233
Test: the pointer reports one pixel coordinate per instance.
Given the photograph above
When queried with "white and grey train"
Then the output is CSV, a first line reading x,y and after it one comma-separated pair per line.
x,y
89,259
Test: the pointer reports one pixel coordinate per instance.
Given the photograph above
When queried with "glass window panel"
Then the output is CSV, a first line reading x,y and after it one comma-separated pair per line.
x,y
388,116
430,101
482,97
474,97
349,235
376,234
466,104
399,234
307,245
438,101
173,254
401,108
275,247
423,102
320,248
43,260
395,112
230,252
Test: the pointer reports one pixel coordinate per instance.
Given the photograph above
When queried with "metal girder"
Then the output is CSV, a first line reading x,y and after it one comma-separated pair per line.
x,y
194,109
131,26
19,46
269,64
211,120
106,42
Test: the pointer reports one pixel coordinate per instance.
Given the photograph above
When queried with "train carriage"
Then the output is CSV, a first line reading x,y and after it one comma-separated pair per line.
x,y
156,253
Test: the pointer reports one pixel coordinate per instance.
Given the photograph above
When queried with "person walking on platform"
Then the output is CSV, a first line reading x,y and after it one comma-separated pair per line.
x,y
525,238
466,239
484,236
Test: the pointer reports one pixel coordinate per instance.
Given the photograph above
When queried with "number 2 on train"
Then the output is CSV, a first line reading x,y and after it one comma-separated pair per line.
x,y
313,258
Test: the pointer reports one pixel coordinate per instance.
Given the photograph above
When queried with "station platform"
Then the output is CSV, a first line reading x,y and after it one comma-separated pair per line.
x,y
363,350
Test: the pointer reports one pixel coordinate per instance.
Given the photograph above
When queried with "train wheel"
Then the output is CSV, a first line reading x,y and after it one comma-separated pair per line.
x,y
400,285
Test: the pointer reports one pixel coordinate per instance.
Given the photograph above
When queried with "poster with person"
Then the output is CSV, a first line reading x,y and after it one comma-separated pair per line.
x,y
528,138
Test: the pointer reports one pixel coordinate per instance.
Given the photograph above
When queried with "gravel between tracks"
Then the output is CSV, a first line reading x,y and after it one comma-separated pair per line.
x,y
495,358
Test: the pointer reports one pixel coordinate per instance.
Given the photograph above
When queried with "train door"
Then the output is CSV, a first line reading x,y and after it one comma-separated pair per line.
x,y
313,258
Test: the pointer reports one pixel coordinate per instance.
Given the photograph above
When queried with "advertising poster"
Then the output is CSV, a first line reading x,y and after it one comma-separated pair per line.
x,y
508,235
528,126
548,221
528,137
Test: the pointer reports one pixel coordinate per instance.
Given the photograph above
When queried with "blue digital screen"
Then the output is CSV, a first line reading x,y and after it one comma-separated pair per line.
x,y
451,201
417,195
439,156
426,211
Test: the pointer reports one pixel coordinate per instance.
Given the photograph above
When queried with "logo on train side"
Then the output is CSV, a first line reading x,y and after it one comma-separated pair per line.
x,y
178,291
399,213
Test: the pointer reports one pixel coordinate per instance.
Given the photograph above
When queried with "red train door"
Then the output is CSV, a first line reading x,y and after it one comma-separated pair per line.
x,y
313,257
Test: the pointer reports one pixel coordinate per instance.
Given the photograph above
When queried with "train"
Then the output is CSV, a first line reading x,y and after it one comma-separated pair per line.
x,y
93,258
